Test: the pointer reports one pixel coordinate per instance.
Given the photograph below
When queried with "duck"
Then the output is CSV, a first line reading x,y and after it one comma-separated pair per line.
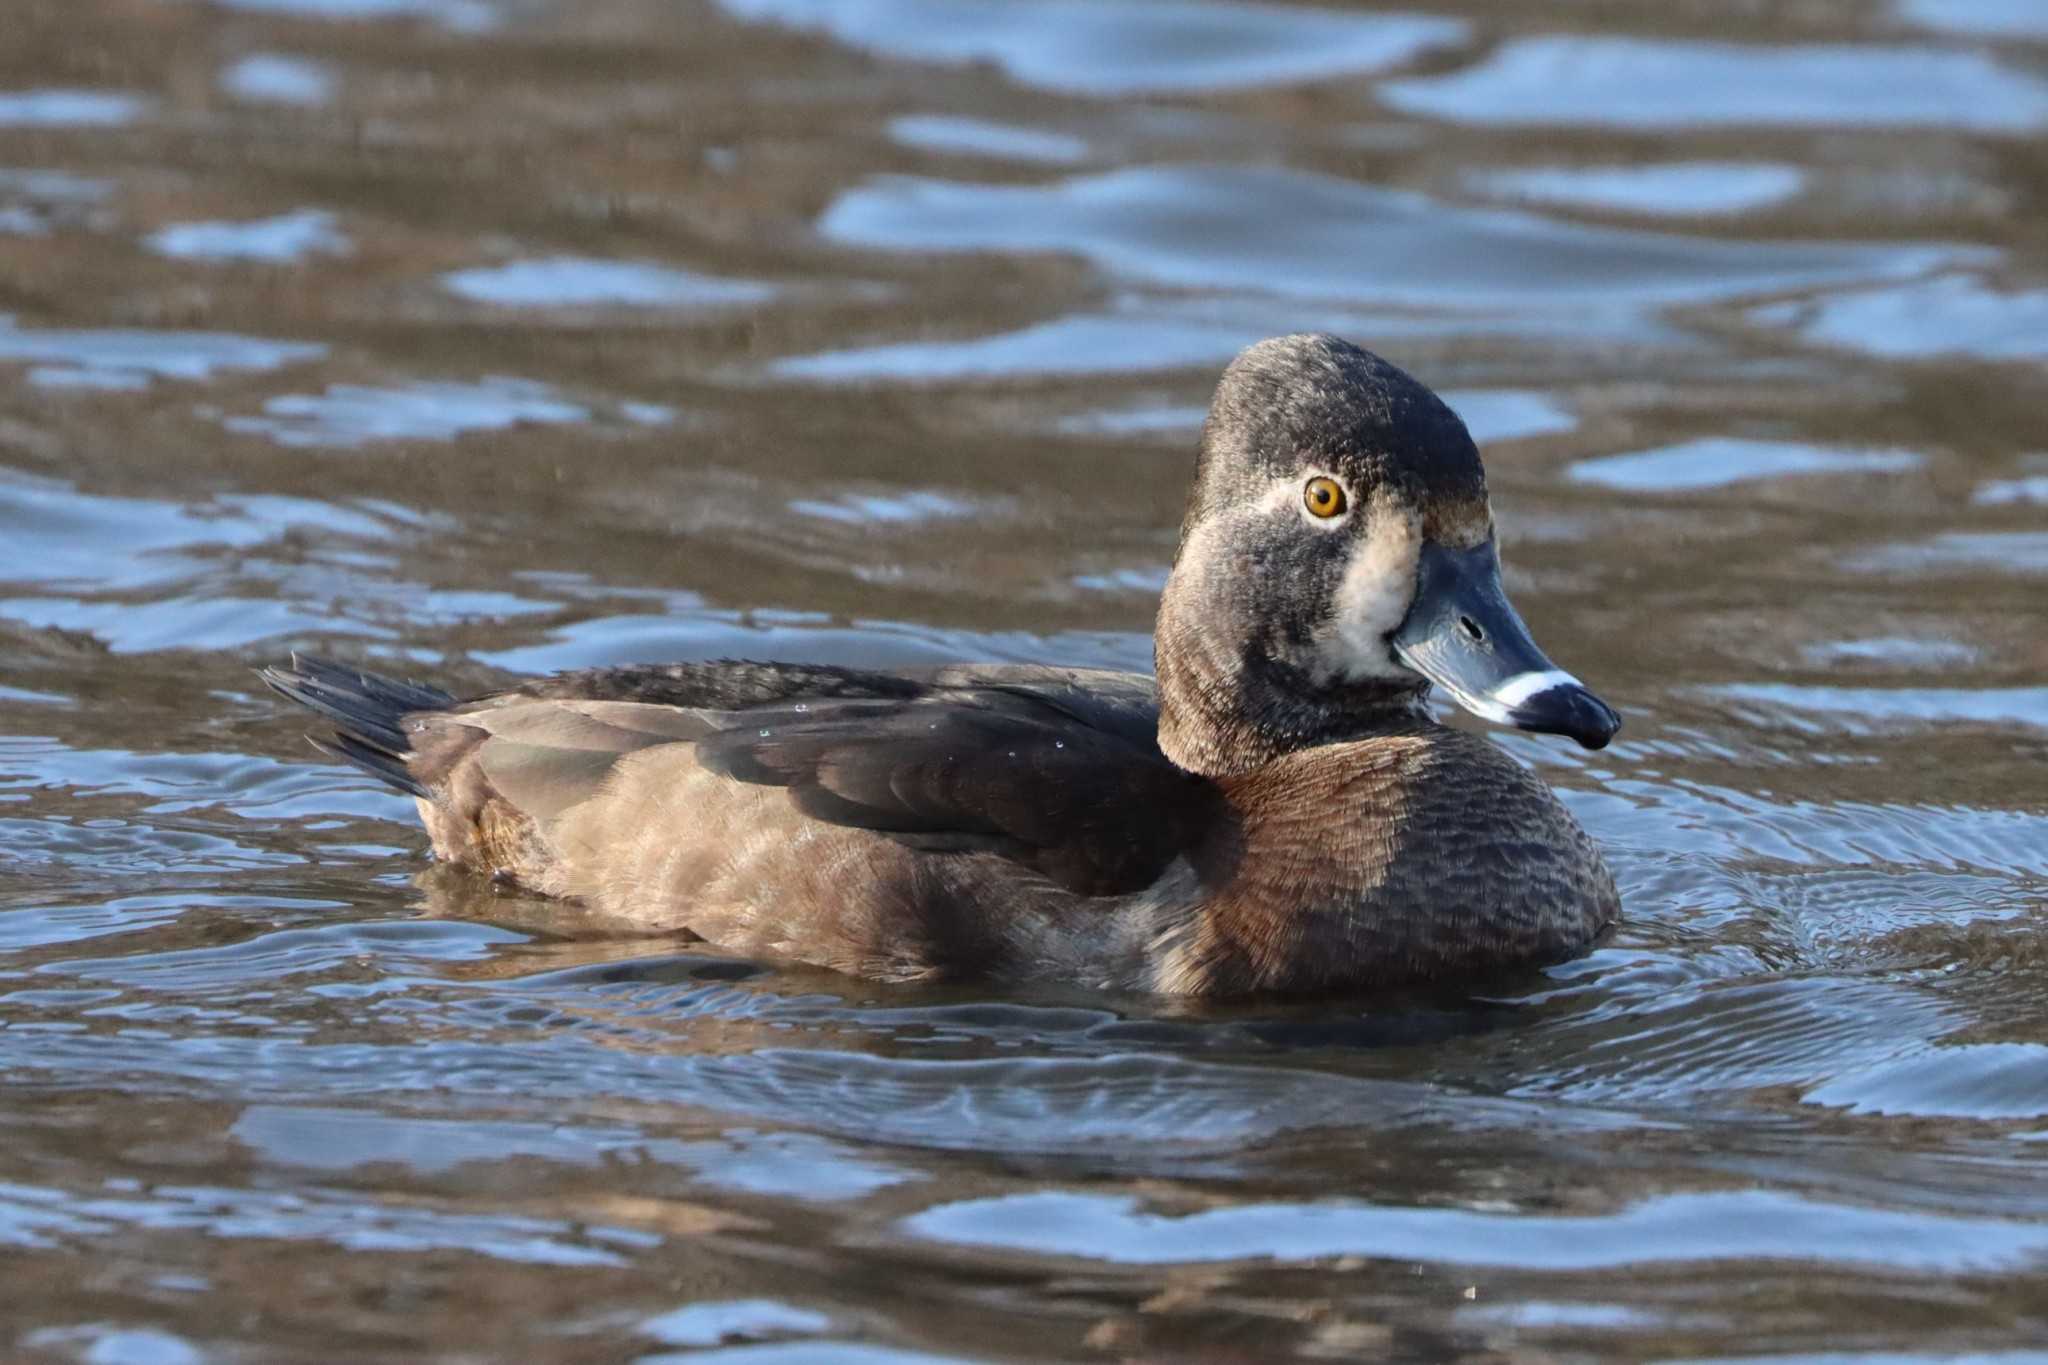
x,y
1276,812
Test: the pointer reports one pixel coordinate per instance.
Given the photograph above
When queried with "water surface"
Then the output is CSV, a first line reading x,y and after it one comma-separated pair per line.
x,y
475,338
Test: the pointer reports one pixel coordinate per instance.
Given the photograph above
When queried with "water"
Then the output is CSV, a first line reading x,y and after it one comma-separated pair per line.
x,y
487,336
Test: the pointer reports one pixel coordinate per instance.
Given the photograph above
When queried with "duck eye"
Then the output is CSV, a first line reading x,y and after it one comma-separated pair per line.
x,y
1324,497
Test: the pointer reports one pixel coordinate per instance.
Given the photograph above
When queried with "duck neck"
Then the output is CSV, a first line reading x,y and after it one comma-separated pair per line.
x,y
1222,714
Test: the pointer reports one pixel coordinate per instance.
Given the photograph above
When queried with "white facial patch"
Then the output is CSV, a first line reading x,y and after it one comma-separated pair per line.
x,y
1373,597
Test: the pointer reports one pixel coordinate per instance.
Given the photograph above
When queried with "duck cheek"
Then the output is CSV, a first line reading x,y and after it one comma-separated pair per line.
x,y
1371,598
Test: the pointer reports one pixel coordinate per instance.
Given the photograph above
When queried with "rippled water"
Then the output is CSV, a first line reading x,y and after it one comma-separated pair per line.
x,y
488,336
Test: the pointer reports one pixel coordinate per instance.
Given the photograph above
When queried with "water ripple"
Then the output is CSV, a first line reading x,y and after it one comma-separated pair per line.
x,y
1759,1224
1640,83
1115,47
1216,228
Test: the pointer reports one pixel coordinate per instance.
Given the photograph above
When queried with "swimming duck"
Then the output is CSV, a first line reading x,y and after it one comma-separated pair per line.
x,y
1278,813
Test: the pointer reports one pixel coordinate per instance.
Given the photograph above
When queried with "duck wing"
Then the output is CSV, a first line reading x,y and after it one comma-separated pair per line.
x,y
1055,769
997,766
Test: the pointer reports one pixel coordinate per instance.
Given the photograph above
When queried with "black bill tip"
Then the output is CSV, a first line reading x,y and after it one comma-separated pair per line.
x,y
1567,709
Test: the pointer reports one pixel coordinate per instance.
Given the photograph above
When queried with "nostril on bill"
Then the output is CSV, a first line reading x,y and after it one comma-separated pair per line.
x,y
1472,630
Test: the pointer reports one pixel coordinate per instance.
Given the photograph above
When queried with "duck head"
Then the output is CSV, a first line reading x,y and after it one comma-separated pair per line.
x,y
1337,558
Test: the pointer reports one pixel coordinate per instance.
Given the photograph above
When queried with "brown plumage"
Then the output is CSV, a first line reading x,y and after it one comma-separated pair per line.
x,y
1278,814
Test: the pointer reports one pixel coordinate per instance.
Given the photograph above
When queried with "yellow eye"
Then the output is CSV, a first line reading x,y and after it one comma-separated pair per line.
x,y
1323,497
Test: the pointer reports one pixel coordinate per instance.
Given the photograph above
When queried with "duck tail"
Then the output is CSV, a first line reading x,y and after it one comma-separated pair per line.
x,y
369,712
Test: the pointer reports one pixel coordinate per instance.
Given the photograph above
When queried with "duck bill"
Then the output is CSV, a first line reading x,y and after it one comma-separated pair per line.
x,y
1463,635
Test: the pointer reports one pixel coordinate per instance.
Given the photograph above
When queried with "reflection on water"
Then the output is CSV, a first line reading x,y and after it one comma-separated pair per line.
x,y
1982,18
1864,708
1214,228
2019,552
354,414
69,108
33,203
462,15
1714,461
978,137
117,356
2006,492
1943,316
275,78
273,241
1124,47
1692,1227
1065,346
568,282
1675,189
1635,83
485,338
708,1324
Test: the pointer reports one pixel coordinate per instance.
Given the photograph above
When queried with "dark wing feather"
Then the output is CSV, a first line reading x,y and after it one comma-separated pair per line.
x,y
1121,704
991,768
378,763
369,712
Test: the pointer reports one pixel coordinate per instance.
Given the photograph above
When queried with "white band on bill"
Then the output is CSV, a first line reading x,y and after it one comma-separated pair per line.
x,y
1518,689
